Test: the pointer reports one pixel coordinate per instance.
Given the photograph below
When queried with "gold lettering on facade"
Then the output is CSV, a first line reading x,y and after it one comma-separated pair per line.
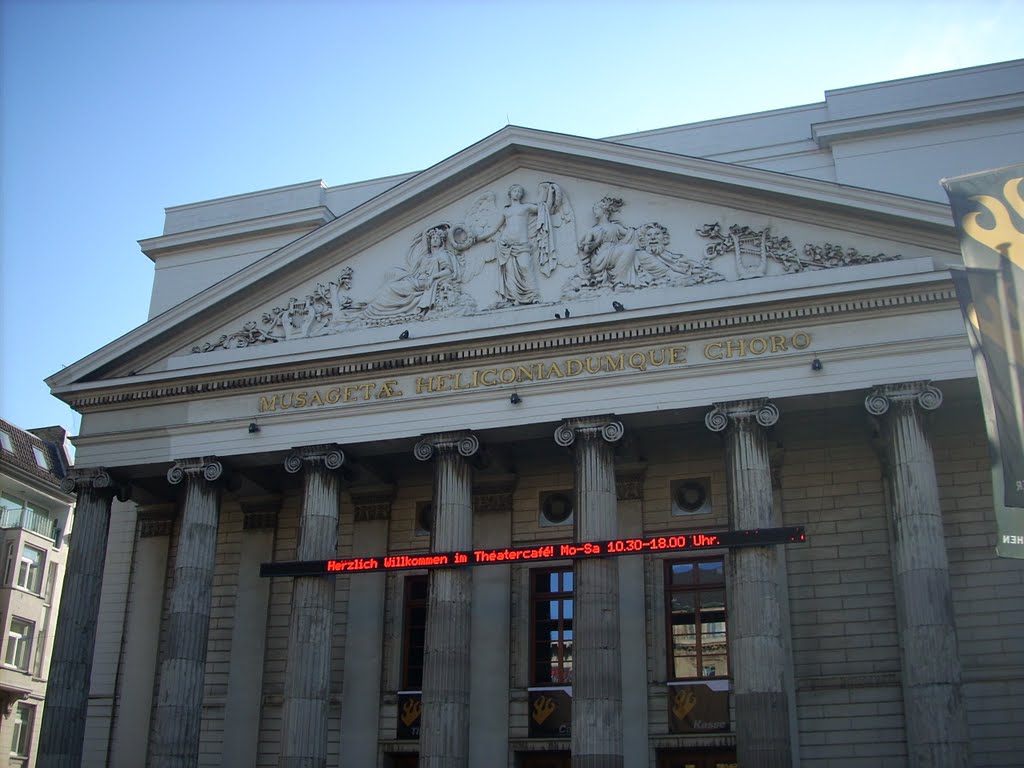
x,y
621,362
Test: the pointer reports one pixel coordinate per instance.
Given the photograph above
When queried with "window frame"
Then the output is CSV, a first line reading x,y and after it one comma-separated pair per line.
x,y
20,644
549,596
669,589
32,575
23,721
42,460
408,604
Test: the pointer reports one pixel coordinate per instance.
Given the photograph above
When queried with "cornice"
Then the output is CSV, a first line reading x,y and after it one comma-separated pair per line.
x,y
155,247
436,185
829,132
938,293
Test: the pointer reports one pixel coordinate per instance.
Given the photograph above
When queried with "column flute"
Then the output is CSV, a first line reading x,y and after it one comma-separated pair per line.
x,y
67,689
179,702
307,683
932,697
597,668
444,724
756,640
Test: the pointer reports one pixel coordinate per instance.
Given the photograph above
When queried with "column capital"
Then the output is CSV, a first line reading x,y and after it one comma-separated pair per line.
x,y
96,479
605,427
881,398
207,468
465,443
741,412
328,454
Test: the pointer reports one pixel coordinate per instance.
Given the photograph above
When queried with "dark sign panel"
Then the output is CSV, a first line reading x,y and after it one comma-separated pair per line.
x,y
698,707
409,710
573,551
988,210
550,713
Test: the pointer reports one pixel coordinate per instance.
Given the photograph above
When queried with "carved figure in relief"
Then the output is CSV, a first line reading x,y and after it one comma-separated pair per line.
x,y
527,238
609,248
312,316
657,265
618,256
430,280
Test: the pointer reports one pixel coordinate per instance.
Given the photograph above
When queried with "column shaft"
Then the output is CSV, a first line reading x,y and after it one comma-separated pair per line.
x,y
756,640
932,696
178,715
597,667
444,729
307,685
67,689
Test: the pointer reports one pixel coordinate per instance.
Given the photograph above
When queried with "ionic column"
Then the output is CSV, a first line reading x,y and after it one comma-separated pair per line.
x,y
932,697
444,724
179,701
307,682
756,635
249,634
67,689
597,668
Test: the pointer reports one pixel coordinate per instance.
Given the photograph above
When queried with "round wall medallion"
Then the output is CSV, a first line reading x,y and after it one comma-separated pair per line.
x,y
691,496
557,508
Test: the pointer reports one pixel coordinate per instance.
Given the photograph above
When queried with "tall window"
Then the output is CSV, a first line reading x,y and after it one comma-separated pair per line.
x,y
19,644
414,632
24,714
696,620
30,569
551,597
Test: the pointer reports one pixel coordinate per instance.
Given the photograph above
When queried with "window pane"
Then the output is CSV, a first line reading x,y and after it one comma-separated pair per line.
x,y
685,666
552,626
19,644
30,570
698,628
9,502
414,631
682,573
712,572
22,735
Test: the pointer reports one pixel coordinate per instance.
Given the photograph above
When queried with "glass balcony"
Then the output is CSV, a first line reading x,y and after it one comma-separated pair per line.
x,y
30,520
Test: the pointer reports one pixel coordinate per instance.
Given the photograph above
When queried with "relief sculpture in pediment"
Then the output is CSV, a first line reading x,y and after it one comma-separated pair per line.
x,y
430,281
616,256
527,252
753,249
529,237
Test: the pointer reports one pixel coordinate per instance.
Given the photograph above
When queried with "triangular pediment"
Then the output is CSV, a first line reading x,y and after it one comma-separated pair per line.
x,y
526,229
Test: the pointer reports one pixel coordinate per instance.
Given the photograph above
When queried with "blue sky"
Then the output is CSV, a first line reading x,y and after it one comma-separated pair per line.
x,y
112,111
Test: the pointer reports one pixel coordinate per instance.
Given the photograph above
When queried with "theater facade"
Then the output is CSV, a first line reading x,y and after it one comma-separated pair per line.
x,y
662,450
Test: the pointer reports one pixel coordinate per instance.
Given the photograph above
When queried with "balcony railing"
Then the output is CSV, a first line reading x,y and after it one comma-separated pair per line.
x,y
30,520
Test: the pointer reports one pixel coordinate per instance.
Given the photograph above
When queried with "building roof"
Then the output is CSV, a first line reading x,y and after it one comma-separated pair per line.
x,y
22,459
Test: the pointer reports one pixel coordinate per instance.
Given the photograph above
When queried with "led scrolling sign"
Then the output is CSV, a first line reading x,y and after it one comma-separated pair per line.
x,y
540,553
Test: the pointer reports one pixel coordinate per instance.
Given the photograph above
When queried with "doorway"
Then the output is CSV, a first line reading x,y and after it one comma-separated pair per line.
x,y
544,760
697,758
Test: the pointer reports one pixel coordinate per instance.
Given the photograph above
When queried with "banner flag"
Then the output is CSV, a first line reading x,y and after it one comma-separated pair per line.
x,y
988,211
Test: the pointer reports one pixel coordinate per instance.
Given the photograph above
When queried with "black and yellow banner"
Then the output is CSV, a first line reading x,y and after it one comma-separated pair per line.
x,y
988,210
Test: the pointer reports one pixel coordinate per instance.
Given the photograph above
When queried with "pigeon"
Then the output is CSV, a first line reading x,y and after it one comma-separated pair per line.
x,y
403,335
617,306
567,313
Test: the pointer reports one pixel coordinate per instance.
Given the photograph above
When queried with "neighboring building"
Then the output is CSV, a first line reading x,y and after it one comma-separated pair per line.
x,y
546,340
35,524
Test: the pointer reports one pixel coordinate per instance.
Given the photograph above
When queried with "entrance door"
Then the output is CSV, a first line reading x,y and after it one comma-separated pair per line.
x,y
697,758
544,760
